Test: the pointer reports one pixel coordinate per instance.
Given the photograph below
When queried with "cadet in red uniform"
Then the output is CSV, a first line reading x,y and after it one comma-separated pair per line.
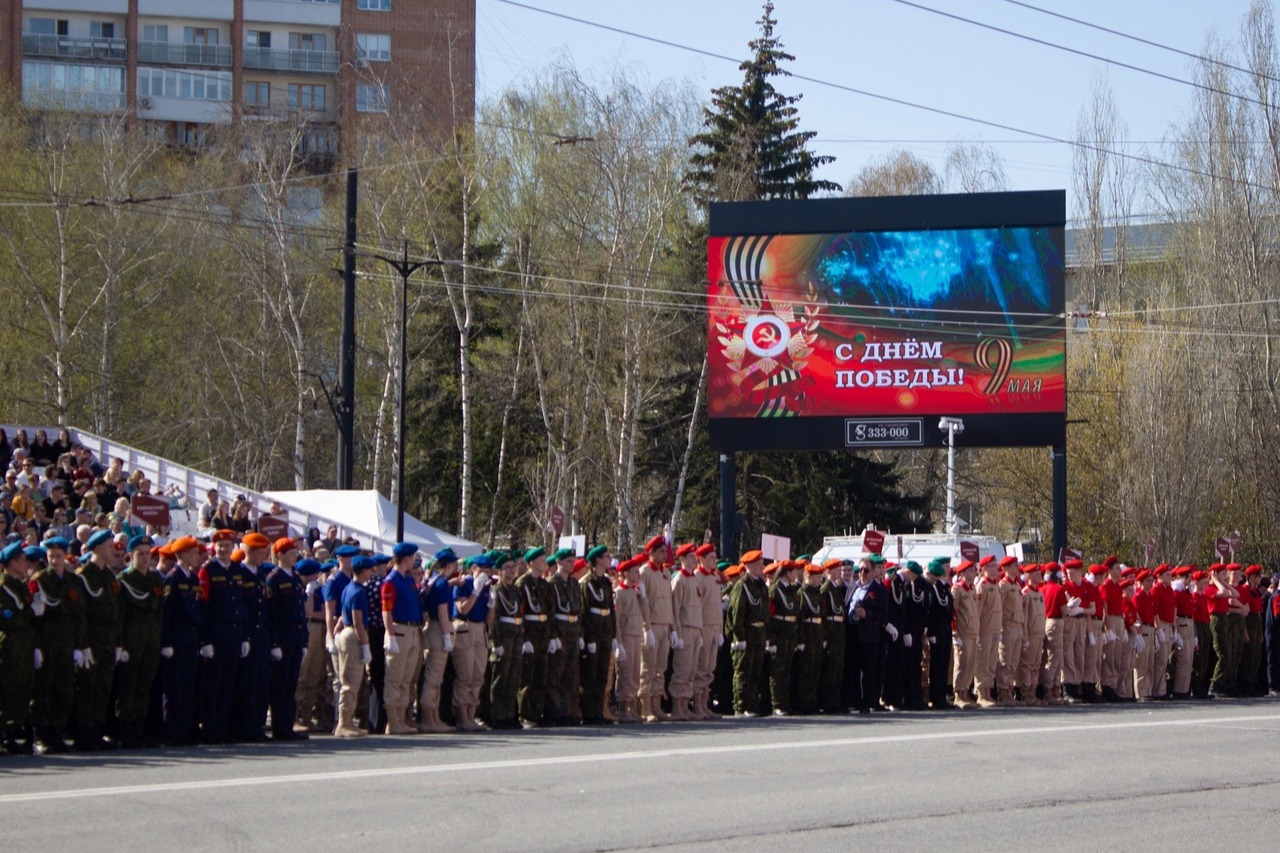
x,y
1055,619
1247,681
1185,625
1220,596
1203,660
1166,630
1075,635
1113,634
1144,645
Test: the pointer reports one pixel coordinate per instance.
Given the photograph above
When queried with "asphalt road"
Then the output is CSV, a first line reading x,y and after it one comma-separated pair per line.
x,y
1137,777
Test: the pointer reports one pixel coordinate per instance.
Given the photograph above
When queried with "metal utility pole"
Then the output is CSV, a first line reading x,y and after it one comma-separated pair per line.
x,y
952,427
346,407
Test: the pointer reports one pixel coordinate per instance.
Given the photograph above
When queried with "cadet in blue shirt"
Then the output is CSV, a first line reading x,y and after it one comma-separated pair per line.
x,y
437,640
332,591
353,646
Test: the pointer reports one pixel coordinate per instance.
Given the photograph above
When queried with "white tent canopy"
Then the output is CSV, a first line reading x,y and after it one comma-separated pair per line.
x,y
371,518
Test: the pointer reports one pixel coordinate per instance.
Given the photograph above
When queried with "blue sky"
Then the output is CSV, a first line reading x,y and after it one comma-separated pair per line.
x,y
892,49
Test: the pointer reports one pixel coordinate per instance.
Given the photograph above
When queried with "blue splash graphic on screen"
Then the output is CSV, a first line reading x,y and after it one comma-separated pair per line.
x,y
1001,270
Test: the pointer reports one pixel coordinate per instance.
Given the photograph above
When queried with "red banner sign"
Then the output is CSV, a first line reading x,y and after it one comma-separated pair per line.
x,y
969,551
153,511
1223,547
1069,554
272,527
873,541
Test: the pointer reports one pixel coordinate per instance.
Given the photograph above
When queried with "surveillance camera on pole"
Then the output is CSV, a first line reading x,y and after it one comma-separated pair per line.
x,y
952,427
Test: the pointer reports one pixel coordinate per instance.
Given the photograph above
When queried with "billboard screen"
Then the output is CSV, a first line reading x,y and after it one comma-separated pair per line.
x,y
850,322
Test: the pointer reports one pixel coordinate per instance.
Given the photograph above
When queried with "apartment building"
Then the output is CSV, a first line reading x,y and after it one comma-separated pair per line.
x,y
182,68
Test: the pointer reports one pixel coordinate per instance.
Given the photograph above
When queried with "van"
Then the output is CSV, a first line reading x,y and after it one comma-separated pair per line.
x,y
923,548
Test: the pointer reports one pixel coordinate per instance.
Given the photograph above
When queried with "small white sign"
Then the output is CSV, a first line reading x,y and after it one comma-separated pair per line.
x,y
577,543
775,547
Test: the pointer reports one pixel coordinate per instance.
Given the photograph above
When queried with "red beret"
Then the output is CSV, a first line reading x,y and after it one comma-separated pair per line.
x,y
1181,571
1073,564
283,544
1253,570
225,535
751,557
237,555
1051,566
184,543
772,567
653,543
579,564
1161,569
1126,583
1234,567
254,539
155,552
1129,572
964,565
1031,567
704,550
632,563
686,548
1143,575
1098,569
1110,561
733,571
813,569
1199,576
1218,567
1008,561
833,563
987,560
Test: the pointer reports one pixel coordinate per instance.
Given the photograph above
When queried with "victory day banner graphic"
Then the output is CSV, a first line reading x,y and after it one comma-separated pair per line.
x,y
939,322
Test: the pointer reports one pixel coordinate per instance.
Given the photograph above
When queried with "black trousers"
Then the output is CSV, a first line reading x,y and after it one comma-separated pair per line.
x,y
868,662
940,669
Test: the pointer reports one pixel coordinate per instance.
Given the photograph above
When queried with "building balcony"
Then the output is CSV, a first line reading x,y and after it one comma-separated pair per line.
x,y
294,61
69,47
173,53
324,13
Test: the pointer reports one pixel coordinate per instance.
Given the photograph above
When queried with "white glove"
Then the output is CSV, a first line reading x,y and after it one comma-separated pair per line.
x,y
958,643
1109,637
166,652
448,642
312,587
1160,637
389,643
331,644
649,640
244,649
1195,643
591,647
277,654
799,647
1075,611
39,658
1073,603
77,659
582,644
1139,644
499,651
303,659
773,650
738,645
640,589
206,651
906,641
527,648
824,644
891,631
622,654
1179,585
38,602
121,656
675,640
366,654
1155,643
481,582
89,659
933,641
1026,644
1177,641
1093,640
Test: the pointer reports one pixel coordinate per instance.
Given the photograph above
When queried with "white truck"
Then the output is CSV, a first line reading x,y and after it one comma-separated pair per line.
x,y
921,547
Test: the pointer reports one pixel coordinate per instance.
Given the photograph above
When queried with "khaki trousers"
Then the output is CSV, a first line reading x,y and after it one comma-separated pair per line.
x,y
628,671
1073,643
398,684
1010,659
684,663
653,666
470,656
1029,667
1142,663
434,660
705,673
1124,688
1164,654
988,658
965,665
1112,652
311,693
1184,657
1055,631
1092,650
350,672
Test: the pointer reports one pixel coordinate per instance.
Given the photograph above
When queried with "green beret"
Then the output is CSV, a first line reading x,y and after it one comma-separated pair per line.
x,y
938,566
561,554
914,567
722,565
804,558
498,557
533,554
597,552
876,560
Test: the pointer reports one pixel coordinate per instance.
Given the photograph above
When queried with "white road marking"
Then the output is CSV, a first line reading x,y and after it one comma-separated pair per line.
x,y
593,758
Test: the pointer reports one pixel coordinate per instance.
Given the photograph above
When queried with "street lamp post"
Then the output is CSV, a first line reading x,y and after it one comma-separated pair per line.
x,y
952,427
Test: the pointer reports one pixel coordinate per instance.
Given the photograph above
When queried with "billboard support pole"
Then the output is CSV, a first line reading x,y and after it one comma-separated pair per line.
x,y
728,502
1059,497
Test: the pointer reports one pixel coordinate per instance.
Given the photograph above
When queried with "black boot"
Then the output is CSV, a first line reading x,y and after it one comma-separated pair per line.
x,y
13,745
86,740
130,737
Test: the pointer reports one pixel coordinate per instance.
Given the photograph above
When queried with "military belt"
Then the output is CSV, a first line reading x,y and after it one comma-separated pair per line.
x,y
601,611
567,617
409,624
511,620
816,620
785,618
756,624
536,617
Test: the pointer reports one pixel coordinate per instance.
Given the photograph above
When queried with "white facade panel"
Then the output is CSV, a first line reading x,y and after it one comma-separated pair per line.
x,y
178,109
95,7
207,10
314,14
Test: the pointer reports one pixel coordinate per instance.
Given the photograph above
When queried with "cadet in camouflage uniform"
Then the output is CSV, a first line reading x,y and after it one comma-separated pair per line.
x,y
535,599
784,633
141,600
19,657
59,636
745,621
833,634
567,644
102,635
506,637
599,634
809,641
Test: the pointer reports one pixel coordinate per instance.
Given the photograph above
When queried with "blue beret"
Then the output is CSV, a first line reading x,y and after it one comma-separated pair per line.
x,y
380,559
140,540
57,542
404,549
446,555
34,552
10,551
328,564
98,538
484,561
347,551
359,564
307,566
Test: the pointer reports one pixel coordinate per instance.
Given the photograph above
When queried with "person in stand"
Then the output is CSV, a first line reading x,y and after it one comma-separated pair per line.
x,y
1012,630
631,626
746,623
831,680
783,633
180,632
287,634
867,605
566,643
315,713
809,652
19,656
895,585
1247,683
506,643
965,633
1113,632
915,620
253,674
353,646
140,637
990,613
1075,635
655,587
1033,620
599,634
1166,632
60,637
223,636
1144,644
1203,660
101,593
437,640
472,614
535,594
941,612
712,631
339,578
1185,626
686,610
1271,624
402,621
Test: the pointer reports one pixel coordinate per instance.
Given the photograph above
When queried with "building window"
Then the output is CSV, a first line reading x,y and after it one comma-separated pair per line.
x,y
258,38
155,32
47,27
91,87
371,98
308,41
257,94
373,48
306,97
199,35
374,5
102,30
184,85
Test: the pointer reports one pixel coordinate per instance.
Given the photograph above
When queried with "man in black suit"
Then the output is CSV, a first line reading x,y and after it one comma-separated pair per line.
x,y
867,611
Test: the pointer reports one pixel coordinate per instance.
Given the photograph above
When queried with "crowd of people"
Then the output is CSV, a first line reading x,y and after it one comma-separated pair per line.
x,y
117,638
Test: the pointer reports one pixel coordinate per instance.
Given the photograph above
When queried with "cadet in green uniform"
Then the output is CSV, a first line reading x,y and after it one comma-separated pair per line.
x,y
745,620
535,598
506,634
141,599
59,636
101,593
833,632
599,635
566,642
784,632
19,657
809,644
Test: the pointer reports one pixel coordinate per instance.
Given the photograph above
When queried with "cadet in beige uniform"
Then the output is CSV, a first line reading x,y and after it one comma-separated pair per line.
x,y
1033,619
1012,631
965,638
686,607
655,586
712,631
632,624
990,612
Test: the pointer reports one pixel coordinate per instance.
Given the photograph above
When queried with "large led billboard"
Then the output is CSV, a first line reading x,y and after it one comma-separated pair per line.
x,y
844,323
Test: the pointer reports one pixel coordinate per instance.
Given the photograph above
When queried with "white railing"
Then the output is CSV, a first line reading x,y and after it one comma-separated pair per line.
x,y
164,473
